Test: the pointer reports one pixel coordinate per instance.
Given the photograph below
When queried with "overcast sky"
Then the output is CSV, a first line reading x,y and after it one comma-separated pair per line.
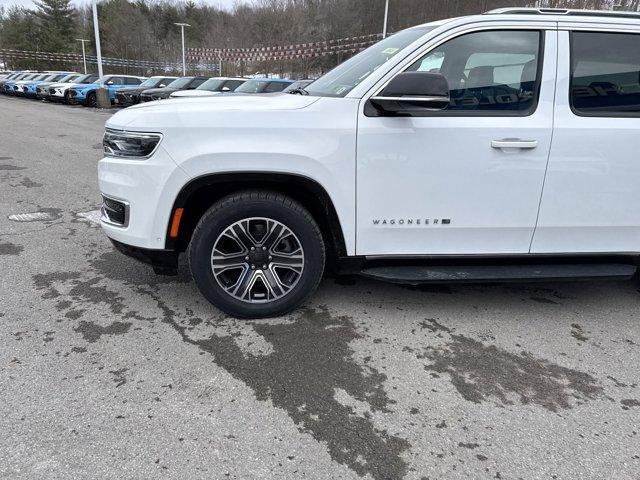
x,y
29,3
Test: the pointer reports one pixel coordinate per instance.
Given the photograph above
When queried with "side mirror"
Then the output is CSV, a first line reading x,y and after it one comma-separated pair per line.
x,y
412,93
226,89
110,82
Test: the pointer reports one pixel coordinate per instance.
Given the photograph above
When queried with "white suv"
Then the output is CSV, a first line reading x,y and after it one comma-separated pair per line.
x,y
493,147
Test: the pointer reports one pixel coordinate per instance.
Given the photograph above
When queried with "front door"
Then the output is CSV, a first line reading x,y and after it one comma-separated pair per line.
x,y
467,179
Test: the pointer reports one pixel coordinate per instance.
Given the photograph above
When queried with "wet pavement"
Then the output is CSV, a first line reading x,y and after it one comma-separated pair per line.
x,y
108,371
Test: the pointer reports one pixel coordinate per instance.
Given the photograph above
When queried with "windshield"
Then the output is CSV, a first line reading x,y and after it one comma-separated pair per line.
x,y
69,78
252,86
90,78
213,85
151,82
342,79
180,82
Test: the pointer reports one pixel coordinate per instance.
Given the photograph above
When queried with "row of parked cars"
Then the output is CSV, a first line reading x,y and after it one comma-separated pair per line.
x,y
125,90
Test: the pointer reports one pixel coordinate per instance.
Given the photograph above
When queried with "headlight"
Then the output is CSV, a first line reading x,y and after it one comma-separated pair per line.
x,y
130,144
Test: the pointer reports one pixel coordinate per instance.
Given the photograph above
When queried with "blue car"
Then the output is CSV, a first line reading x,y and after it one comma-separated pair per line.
x,y
86,94
29,89
9,86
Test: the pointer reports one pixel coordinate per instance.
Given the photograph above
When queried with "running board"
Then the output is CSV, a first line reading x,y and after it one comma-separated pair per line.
x,y
500,273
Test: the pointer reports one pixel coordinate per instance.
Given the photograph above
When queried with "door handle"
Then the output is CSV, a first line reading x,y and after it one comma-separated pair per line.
x,y
514,143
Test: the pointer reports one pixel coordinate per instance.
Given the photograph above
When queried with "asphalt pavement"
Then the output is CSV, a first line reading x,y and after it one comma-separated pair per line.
x,y
110,372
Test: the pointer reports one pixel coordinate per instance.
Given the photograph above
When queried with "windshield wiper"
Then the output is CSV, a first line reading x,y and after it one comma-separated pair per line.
x,y
299,91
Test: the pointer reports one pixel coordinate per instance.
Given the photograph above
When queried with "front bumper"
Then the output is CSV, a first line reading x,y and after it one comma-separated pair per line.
x,y
164,262
127,99
149,188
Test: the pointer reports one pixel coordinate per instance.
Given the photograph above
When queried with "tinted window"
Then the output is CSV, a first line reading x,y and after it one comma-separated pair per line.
x,y
252,86
197,82
132,81
115,81
275,87
488,71
233,84
605,73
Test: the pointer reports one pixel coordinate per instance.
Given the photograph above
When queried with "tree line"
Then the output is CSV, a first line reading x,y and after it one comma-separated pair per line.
x,y
145,30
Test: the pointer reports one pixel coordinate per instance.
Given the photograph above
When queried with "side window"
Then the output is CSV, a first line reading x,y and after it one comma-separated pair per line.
x,y
233,84
131,81
164,82
275,87
605,74
116,81
197,82
490,71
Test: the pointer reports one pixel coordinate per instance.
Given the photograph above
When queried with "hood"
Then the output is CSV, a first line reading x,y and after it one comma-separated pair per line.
x,y
65,84
133,90
155,91
155,113
194,93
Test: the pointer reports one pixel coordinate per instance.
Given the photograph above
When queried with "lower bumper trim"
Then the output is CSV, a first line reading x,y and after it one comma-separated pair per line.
x,y
164,262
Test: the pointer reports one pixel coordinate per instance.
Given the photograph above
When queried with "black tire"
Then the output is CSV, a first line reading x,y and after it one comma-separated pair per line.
x,y
251,204
92,100
67,98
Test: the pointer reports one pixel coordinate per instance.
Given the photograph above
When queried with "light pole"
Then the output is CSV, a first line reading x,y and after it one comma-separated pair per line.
x,y
386,16
84,57
96,31
184,63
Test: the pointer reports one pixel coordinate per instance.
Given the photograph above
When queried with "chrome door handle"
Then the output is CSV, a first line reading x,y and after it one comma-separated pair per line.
x,y
514,143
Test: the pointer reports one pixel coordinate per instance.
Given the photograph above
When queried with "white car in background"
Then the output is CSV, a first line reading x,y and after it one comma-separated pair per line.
x,y
212,87
58,91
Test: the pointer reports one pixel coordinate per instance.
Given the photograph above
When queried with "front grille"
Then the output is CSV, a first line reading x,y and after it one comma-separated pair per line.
x,y
115,212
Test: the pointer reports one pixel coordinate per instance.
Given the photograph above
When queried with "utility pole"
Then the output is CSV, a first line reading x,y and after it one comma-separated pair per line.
x,y
84,56
386,16
96,31
184,63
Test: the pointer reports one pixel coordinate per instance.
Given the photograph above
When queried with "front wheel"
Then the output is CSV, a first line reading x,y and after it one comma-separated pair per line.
x,y
92,100
257,254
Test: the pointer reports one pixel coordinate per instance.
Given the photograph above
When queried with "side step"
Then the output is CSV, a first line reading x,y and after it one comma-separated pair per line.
x,y
500,273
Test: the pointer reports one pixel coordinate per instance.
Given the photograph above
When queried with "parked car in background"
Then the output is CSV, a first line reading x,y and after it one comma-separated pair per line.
x,y
18,86
42,88
5,74
13,76
29,89
297,87
87,94
131,96
213,86
263,85
59,92
182,83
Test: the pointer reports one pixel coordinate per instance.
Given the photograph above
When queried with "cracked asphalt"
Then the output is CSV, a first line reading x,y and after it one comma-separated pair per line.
x,y
110,372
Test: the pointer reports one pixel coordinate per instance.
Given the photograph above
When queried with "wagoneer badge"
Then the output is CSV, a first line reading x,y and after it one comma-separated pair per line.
x,y
410,222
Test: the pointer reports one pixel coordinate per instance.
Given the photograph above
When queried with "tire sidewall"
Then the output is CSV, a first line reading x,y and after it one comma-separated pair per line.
x,y
216,221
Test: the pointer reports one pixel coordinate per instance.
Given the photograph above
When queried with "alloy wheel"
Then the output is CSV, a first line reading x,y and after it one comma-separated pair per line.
x,y
257,260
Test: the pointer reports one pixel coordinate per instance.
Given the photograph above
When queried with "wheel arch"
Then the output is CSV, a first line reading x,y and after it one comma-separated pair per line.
x,y
200,193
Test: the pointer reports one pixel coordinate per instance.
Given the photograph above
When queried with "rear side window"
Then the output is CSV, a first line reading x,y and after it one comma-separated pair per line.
x,y
132,81
494,72
197,82
605,74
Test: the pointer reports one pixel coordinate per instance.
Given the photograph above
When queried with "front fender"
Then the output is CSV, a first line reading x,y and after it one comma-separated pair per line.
x,y
317,142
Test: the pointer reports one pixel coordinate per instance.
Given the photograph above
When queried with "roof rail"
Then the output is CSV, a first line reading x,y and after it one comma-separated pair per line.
x,y
563,11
